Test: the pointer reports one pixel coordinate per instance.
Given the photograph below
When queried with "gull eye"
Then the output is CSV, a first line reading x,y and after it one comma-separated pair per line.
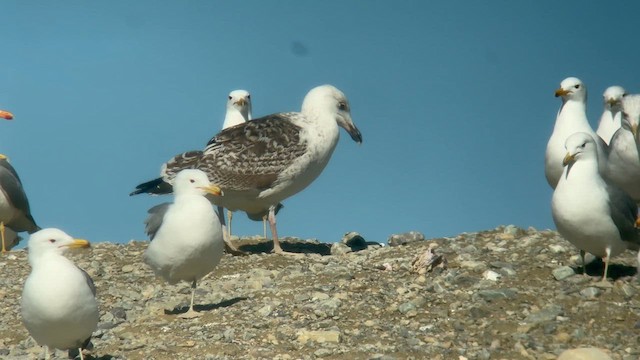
x,y
191,181
248,96
342,106
230,97
577,86
52,240
583,145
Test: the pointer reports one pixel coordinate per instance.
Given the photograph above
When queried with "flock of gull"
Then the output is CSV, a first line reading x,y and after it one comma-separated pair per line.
x,y
252,165
595,175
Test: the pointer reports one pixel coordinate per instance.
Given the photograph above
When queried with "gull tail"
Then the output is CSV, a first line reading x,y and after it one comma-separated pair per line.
x,y
153,187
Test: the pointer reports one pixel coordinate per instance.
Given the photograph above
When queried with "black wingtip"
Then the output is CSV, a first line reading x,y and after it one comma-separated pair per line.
x,y
155,187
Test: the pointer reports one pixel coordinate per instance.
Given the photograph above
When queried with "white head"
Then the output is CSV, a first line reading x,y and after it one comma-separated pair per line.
x,y
580,146
572,88
328,99
631,114
193,181
240,101
613,97
51,240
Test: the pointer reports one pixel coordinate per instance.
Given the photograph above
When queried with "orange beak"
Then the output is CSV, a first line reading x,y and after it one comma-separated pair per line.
x,y
6,115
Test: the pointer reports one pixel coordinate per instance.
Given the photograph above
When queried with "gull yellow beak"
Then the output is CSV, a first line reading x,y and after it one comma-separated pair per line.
x,y
568,159
6,115
214,190
79,244
612,101
4,157
241,102
561,92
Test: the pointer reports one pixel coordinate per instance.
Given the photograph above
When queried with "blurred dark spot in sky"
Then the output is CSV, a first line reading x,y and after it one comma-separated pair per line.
x,y
299,49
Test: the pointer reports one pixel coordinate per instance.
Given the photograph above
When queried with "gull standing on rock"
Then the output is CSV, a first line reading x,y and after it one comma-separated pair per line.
x,y
571,118
264,161
592,214
610,121
15,213
59,306
623,165
186,236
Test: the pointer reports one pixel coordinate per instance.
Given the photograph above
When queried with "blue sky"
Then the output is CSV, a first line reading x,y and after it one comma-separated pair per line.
x,y
454,100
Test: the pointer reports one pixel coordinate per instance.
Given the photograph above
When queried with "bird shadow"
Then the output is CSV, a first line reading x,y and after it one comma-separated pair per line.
x,y
615,272
303,247
205,307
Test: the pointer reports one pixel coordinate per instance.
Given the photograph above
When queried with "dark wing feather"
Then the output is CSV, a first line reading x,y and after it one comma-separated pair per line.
x,y
11,185
154,220
624,213
252,155
89,281
186,160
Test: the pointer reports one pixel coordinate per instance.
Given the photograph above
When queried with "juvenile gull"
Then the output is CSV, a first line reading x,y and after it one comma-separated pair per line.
x,y
59,307
596,216
15,212
623,165
612,114
186,236
264,161
571,118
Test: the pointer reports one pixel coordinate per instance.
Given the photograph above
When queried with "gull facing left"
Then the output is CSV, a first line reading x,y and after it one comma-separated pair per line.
x,y
186,236
596,216
59,306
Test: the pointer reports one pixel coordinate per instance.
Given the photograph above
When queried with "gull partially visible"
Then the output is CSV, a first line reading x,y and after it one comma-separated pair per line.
x,y
594,215
15,212
623,165
571,118
610,121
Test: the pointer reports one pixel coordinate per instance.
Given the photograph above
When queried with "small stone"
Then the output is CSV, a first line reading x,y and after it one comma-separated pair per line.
x,y
590,292
497,294
330,336
548,313
491,275
562,272
405,238
127,268
584,354
473,265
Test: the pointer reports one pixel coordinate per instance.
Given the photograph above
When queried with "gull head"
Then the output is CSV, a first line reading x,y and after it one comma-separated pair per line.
x,y
194,181
579,145
572,88
6,115
240,100
327,98
52,240
631,114
613,96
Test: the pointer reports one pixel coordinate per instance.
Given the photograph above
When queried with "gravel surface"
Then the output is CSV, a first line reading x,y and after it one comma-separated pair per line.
x,y
506,293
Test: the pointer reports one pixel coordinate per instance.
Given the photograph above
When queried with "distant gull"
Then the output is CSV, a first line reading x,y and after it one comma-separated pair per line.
x,y
571,118
592,214
623,164
186,236
15,213
59,307
610,119
264,161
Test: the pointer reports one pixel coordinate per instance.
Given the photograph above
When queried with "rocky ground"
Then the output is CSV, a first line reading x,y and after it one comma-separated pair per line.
x,y
507,293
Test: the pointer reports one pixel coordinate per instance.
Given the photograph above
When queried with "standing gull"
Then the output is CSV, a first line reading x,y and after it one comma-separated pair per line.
x,y
623,164
15,212
186,236
572,118
59,306
264,161
594,215
612,114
